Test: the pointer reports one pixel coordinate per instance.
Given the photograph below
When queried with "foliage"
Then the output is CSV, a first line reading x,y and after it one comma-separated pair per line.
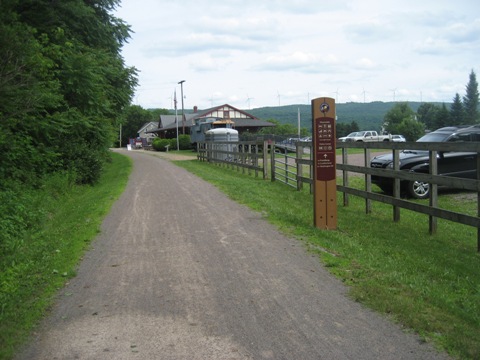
x,y
398,114
161,144
471,100
427,114
283,129
457,111
410,129
368,116
184,142
63,87
133,118
39,251
157,112
443,117
345,129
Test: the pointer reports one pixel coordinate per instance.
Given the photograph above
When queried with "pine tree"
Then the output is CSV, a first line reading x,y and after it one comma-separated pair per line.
x,y
457,112
470,100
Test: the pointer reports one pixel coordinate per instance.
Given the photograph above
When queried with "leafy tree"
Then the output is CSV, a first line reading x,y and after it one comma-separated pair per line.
x,y
283,129
134,117
394,117
411,129
157,112
457,112
63,86
470,100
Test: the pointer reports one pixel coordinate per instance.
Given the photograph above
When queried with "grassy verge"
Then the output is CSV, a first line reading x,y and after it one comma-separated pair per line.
x,y
429,284
48,254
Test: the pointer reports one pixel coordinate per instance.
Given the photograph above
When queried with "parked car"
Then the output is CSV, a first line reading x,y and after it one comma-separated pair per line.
x,y
343,138
398,138
456,164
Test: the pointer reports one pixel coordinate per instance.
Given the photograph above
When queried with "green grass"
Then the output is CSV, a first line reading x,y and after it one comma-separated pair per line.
x,y
429,284
48,254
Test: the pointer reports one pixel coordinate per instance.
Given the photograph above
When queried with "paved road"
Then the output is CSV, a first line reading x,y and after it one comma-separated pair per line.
x,y
179,271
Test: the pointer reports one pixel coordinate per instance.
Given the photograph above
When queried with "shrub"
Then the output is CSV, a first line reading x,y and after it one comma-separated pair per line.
x,y
161,144
184,142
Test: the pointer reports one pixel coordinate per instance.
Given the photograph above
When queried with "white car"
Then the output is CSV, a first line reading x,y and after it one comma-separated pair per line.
x,y
398,138
342,139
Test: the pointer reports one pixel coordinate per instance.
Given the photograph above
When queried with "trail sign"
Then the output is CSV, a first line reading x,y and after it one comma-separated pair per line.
x,y
324,161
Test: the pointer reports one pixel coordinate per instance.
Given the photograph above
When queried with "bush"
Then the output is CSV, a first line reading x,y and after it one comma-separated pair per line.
x,y
184,142
161,144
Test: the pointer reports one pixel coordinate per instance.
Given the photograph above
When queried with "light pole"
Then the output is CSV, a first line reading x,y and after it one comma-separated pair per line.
x,y
183,114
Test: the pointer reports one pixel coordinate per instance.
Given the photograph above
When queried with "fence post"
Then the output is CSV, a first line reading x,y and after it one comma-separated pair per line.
x,y
432,220
368,182
345,175
265,159
272,160
396,185
299,155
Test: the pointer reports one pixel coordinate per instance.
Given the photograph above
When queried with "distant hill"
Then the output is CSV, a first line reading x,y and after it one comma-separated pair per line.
x,y
369,116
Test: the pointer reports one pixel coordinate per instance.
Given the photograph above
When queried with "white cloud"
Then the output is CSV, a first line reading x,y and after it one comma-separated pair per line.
x,y
301,49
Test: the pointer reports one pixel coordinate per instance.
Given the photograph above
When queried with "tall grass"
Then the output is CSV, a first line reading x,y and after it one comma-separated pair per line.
x,y
39,259
428,284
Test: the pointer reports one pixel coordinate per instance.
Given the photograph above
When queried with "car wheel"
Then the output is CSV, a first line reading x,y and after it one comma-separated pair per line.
x,y
419,189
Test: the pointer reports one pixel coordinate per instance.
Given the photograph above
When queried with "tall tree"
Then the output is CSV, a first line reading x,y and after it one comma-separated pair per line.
x,y
427,114
443,117
470,100
411,129
63,86
457,112
134,118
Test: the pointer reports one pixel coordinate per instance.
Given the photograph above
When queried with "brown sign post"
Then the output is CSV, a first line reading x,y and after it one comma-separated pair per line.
x,y
324,160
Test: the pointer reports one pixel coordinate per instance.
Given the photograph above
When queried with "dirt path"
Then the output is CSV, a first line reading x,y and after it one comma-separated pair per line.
x,y
179,271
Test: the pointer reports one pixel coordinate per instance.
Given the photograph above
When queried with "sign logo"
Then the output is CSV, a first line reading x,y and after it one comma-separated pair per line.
x,y
324,107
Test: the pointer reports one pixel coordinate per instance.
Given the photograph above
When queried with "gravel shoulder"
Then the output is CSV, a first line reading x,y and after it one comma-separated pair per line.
x,y
179,271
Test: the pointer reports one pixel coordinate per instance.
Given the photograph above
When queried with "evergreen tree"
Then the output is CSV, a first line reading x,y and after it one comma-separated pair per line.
x,y
457,112
470,100
427,114
443,117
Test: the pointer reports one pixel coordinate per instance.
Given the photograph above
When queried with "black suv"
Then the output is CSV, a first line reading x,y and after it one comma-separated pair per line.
x,y
456,164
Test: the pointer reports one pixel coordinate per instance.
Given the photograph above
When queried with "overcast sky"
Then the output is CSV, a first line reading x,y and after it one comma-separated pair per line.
x,y
255,53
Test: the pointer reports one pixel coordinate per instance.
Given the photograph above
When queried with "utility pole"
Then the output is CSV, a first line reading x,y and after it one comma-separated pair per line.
x,y
183,112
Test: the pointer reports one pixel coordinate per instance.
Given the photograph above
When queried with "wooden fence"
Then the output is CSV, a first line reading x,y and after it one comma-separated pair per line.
x,y
246,155
289,169
432,209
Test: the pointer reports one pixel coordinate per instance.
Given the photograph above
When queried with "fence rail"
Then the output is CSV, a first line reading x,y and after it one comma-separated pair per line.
x,y
288,167
432,209
246,155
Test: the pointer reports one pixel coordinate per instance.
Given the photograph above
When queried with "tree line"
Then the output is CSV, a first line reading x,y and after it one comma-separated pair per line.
x,y
63,88
401,119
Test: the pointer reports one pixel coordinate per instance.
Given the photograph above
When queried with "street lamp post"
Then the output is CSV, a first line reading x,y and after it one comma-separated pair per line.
x,y
183,113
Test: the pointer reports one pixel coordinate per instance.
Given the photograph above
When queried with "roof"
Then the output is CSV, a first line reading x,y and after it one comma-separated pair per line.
x,y
167,122
148,127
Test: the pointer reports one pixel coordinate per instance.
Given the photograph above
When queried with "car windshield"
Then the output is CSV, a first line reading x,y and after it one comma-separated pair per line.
x,y
433,137
352,134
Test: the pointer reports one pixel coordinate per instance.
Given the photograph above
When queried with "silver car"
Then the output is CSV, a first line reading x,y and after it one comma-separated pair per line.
x,y
398,138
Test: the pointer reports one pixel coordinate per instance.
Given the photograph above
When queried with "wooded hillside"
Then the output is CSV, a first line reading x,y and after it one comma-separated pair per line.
x,y
368,116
